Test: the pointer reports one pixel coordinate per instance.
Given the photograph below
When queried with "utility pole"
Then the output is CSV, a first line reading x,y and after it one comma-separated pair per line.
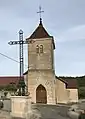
x,y
21,84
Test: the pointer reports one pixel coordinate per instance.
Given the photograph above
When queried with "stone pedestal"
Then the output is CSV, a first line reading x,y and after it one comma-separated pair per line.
x,y
20,105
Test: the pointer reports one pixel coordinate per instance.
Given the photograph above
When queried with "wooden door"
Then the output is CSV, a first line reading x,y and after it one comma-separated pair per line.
x,y
41,94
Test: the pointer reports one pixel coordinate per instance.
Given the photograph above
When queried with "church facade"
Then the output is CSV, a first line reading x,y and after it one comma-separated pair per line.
x,y
43,85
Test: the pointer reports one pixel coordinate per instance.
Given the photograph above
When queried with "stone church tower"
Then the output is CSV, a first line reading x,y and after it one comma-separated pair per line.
x,y
43,85
41,76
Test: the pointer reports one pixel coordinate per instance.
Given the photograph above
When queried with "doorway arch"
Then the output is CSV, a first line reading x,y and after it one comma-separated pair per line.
x,y
41,94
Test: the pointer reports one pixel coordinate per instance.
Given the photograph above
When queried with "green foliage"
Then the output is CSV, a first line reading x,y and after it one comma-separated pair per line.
x,y
10,87
2,88
13,88
81,92
81,81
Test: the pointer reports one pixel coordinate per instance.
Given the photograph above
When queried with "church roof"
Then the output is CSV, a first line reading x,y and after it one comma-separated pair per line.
x,y
40,32
70,83
61,79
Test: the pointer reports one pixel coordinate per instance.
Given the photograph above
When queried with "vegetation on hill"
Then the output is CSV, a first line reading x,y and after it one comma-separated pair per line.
x,y
9,87
80,83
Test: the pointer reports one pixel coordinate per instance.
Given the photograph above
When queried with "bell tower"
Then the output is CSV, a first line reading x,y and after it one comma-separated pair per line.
x,y
40,53
41,76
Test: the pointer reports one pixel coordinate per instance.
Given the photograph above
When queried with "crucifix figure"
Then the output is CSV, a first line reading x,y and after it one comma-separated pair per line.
x,y
40,11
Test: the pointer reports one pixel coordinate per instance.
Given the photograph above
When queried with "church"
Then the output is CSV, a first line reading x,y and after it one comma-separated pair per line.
x,y
42,83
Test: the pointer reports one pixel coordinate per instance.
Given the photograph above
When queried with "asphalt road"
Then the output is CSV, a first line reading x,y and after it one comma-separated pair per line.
x,y
46,111
52,111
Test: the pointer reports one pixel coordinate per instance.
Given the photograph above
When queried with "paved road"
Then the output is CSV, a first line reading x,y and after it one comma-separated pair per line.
x,y
46,112
52,111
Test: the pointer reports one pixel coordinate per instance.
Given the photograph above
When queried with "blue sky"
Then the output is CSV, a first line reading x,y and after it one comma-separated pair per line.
x,y
64,19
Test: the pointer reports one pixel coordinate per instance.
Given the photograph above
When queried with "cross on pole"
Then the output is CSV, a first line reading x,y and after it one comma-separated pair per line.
x,y
21,42
40,11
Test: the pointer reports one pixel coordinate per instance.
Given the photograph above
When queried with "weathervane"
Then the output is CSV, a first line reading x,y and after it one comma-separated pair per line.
x,y
40,11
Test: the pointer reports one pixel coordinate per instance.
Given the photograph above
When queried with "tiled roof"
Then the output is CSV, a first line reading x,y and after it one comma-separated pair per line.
x,y
40,32
9,79
61,80
70,83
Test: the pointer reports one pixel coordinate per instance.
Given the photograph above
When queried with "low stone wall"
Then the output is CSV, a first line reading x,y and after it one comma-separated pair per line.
x,y
20,106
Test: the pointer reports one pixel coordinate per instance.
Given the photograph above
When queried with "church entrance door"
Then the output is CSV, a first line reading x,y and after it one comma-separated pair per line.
x,y
41,94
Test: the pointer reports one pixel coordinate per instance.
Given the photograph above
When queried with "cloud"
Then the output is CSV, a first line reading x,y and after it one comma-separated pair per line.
x,y
64,19
75,33
69,58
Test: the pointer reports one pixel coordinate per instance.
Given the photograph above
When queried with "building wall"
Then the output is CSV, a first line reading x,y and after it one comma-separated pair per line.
x,y
56,89
61,92
41,68
40,60
73,95
46,78
41,71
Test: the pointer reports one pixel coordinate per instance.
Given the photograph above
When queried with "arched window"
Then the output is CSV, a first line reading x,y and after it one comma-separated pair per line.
x,y
41,48
37,49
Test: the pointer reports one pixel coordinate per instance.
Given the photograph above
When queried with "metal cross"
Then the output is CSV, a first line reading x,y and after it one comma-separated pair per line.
x,y
21,42
40,11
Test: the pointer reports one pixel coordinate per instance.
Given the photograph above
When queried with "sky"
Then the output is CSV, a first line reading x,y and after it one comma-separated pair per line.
x,y
63,19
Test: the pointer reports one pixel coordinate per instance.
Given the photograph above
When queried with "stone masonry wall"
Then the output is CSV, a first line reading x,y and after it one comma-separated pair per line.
x,y
46,78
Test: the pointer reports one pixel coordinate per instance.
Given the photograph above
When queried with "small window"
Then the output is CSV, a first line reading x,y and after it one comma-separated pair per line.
x,y
37,49
41,48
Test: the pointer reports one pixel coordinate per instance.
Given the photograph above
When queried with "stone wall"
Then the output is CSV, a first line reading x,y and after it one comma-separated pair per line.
x,y
73,95
41,60
61,92
20,105
46,78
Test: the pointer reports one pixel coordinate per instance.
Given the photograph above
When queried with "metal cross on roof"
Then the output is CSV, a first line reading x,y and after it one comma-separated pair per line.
x,y
40,11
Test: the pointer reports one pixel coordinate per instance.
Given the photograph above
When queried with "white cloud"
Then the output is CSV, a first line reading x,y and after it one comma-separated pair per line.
x,y
75,33
64,19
